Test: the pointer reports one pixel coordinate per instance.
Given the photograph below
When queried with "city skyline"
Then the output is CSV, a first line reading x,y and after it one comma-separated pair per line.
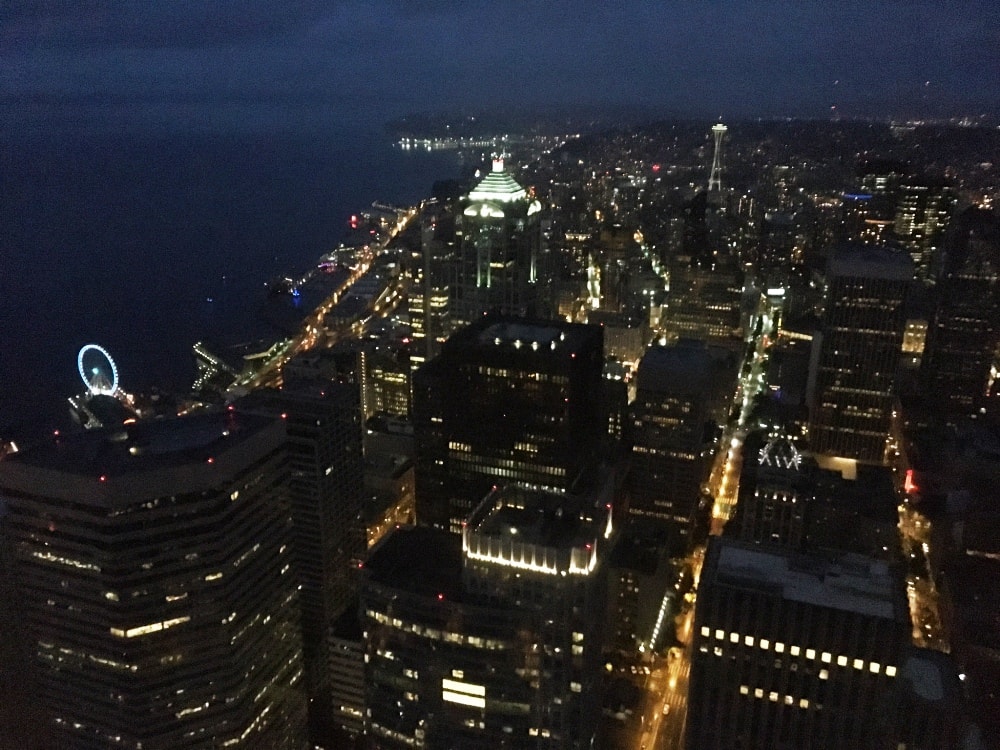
x,y
565,375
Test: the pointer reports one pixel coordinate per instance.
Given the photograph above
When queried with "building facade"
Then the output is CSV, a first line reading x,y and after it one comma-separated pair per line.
x,y
501,259
963,335
154,573
857,352
506,400
326,490
489,639
793,651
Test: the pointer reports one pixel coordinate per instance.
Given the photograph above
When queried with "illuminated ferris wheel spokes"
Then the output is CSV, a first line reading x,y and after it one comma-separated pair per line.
x,y
100,378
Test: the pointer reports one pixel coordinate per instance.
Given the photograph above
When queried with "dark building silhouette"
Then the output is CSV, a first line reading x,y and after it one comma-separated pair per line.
x,y
694,237
857,351
506,400
963,335
674,401
154,572
326,490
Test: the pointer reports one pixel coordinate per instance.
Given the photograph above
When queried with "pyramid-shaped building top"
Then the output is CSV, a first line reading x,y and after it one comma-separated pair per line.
x,y
498,186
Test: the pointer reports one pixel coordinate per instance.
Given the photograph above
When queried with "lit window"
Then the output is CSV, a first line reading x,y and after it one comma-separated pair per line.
x,y
810,653
874,667
758,693
826,657
795,650
744,690
890,671
719,635
803,703
765,644
748,640
841,661
705,631
779,647
859,664
824,674
772,696
734,637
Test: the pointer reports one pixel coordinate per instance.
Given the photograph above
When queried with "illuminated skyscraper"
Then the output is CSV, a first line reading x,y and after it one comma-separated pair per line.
x,y
430,295
923,208
857,352
506,400
492,639
154,568
499,244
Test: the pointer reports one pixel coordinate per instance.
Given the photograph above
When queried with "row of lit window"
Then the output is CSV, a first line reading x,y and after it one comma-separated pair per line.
x,y
154,627
772,696
498,465
810,653
490,644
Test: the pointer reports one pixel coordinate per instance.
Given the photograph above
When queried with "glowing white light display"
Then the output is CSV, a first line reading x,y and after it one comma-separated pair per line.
x,y
93,379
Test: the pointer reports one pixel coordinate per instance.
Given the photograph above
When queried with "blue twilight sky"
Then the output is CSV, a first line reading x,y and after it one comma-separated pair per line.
x,y
259,64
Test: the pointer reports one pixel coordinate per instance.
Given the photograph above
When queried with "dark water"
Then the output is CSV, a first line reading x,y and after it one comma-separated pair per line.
x,y
122,240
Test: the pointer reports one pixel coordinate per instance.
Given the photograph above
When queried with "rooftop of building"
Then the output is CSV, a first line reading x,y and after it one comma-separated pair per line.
x,y
301,389
419,560
498,185
526,335
686,365
847,582
121,464
871,262
535,517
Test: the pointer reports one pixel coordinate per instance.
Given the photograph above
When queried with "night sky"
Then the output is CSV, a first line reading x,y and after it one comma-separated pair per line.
x,y
260,64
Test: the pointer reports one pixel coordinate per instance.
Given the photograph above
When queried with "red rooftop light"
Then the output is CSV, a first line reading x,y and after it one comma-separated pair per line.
x,y
440,597
102,478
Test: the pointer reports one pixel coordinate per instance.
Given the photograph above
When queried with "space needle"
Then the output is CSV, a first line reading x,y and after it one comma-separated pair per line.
x,y
715,174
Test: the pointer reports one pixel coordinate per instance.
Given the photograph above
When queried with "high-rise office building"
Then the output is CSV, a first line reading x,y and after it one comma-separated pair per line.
x,y
154,571
389,383
506,400
492,639
672,406
326,489
705,299
430,294
963,335
794,651
857,351
923,209
791,499
501,259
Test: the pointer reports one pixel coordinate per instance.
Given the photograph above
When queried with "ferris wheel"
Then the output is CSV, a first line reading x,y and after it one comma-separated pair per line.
x,y
97,370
